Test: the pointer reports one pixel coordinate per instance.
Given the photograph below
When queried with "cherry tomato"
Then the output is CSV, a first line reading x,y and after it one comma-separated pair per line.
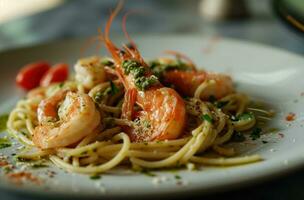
x,y
58,73
30,75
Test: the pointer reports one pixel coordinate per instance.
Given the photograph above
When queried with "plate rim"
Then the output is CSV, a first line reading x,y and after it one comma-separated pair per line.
x,y
277,172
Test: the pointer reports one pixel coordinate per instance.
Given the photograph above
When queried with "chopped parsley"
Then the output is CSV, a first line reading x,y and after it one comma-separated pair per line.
x,y
4,143
38,165
107,62
23,133
20,159
238,137
95,177
7,169
159,68
98,97
60,85
256,133
264,142
3,120
146,124
142,82
177,177
245,116
114,88
207,118
221,104
186,98
147,172
129,66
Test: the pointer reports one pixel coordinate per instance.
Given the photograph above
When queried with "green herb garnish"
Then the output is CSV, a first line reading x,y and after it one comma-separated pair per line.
x,y
3,121
221,104
177,177
38,165
129,66
107,62
245,116
98,97
159,68
142,82
238,137
256,133
207,118
61,85
23,133
114,88
264,142
19,159
4,143
7,169
95,177
147,172
146,124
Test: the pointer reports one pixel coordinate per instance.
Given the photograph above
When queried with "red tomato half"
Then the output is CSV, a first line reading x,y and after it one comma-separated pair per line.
x,y
58,73
30,75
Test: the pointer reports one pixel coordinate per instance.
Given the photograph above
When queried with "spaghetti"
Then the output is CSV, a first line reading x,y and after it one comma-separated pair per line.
x,y
110,147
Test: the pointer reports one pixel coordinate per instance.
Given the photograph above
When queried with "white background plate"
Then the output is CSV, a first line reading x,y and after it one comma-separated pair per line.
x,y
264,73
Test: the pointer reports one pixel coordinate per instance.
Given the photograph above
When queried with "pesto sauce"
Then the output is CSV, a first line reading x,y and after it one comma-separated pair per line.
x,y
95,177
142,82
3,121
147,172
4,143
159,68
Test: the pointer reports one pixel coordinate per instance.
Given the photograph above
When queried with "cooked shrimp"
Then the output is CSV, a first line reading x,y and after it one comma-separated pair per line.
x,y
90,71
162,115
186,81
65,118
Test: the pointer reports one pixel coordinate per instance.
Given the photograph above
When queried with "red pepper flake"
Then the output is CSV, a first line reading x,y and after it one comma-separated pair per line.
x,y
281,135
20,177
290,117
3,163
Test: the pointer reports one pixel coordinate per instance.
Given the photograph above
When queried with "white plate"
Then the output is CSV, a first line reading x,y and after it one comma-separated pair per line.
x,y
264,73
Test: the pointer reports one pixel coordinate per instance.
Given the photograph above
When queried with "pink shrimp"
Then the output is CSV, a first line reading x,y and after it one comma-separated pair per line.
x,y
163,111
65,118
187,81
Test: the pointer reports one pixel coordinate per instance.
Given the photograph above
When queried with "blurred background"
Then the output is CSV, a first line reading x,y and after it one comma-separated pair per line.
x,y
24,22
271,22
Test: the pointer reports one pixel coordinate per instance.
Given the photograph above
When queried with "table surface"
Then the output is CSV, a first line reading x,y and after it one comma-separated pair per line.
x,y
79,18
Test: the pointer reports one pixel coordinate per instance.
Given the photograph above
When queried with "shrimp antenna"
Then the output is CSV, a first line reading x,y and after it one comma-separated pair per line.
x,y
88,43
183,56
132,48
124,28
108,42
